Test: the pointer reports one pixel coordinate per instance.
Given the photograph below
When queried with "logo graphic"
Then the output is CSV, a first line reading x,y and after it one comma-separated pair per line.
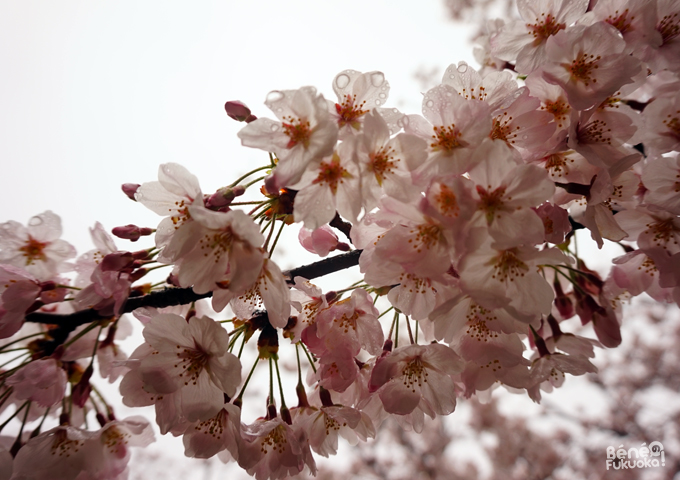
x,y
644,457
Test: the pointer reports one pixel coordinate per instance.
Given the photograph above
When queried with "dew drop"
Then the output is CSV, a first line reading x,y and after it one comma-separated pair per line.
x,y
274,96
524,137
405,120
279,109
377,79
462,68
382,95
452,76
429,103
274,127
35,221
378,102
395,110
341,81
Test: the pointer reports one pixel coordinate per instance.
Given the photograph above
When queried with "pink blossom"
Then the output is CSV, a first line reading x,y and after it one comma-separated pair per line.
x,y
525,40
320,241
661,178
305,133
589,63
272,450
42,381
69,453
215,248
417,376
170,197
19,290
187,360
358,93
37,248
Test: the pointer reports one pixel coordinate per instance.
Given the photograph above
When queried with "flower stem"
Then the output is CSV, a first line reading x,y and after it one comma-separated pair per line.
x,y
243,177
278,376
243,389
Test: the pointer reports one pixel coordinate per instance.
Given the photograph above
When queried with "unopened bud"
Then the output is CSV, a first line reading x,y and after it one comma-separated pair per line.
x,y
224,196
116,262
81,392
130,189
239,111
131,232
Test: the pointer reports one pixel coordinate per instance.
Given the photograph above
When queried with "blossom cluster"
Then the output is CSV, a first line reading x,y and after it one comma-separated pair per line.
x,y
461,221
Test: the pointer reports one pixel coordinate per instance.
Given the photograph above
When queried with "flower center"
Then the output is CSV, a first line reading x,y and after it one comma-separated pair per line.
x,y
447,202
331,173
33,250
382,163
502,130
425,236
414,373
191,362
64,446
620,21
491,202
673,123
298,131
559,108
544,28
595,132
350,112
275,439
557,164
508,266
582,68
217,243
446,138
669,27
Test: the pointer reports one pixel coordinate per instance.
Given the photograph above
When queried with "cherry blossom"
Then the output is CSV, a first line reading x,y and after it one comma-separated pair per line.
x,y
305,133
37,247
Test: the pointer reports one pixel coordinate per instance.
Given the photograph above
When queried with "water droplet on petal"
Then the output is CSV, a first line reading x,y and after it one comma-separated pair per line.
x,y
429,103
462,68
395,110
524,137
279,109
341,81
274,96
452,76
405,120
378,102
377,79
382,95
274,127
35,221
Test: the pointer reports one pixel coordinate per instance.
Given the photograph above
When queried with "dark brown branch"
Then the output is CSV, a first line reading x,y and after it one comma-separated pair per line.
x,y
183,296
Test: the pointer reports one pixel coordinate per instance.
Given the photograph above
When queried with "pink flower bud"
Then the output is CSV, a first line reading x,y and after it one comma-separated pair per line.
x,y
224,196
239,111
116,262
131,232
130,189
321,241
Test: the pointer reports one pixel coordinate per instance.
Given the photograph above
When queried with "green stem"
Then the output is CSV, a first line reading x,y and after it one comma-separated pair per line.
x,y
20,340
309,357
253,181
276,240
408,327
243,389
278,376
243,177
25,404
80,334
